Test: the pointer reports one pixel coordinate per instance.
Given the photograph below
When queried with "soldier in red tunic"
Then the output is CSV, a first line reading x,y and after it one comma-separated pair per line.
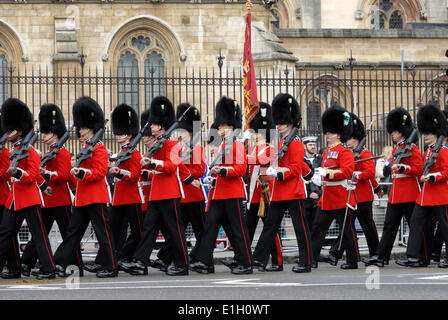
x,y
24,197
433,197
92,194
337,200
288,189
164,202
56,206
127,199
366,185
193,202
405,184
260,156
226,194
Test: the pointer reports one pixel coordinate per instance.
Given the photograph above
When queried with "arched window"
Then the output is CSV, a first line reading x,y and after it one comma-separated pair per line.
x,y
3,79
396,21
155,75
128,80
377,21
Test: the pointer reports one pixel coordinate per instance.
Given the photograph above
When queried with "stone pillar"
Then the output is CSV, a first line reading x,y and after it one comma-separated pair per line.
x,y
311,14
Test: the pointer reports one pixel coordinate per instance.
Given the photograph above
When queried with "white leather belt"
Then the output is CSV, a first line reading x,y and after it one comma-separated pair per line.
x,y
335,183
145,183
400,175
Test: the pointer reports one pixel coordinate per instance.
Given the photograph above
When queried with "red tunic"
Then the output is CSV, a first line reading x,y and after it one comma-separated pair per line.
x,y
364,186
59,175
165,180
261,155
235,163
127,189
4,177
405,186
291,186
25,191
196,167
93,187
334,194
436,193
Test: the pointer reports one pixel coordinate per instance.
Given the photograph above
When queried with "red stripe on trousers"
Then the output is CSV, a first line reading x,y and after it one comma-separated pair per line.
x,y
108,239
43,236
77,251
353,234
244,236
15,252
180,234
139,223
304,232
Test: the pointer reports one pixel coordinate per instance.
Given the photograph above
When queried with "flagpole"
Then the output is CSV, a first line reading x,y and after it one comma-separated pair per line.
x,y
249,6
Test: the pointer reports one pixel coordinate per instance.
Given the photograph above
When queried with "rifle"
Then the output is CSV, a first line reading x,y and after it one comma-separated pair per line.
x,y
125,155
3,141
25,145
50,155
223,153
186,155
360,160
431,161
86,152
165,136
362,143
400,153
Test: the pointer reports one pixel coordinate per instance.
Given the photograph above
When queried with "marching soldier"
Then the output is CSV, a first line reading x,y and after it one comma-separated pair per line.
x,y
337,200
13,261
146,175
405,188
313,186
92,194
57,206
193,204
288,188
127,199
260,157
366,185
226,193
164,203
24,198
433,197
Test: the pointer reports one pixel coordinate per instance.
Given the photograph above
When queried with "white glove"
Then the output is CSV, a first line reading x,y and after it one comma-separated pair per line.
x,y
316,179
271,172
208,179
157,162
321,171
247,134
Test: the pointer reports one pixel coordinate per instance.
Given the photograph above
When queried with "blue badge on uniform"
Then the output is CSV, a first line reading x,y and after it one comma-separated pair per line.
x,y
333,155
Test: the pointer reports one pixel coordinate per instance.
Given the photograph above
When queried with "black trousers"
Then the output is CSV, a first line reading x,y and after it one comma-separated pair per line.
x,y
394,214
272,224
364,214
13,255
62,216
309,209
11,223
323,220
81,216
420,224
166,213
227,212
123,215
193,213
252,221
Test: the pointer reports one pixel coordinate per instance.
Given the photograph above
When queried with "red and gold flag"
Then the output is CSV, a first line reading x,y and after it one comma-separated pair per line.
x,y
251,104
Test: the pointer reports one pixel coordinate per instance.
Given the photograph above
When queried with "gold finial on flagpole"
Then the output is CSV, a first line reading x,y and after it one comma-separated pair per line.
x,y
249,5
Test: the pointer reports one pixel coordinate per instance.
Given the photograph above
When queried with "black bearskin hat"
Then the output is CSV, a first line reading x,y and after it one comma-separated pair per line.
x,y
430,119
399,120
16,116
161,112
192,115
286,109
52,120
87,113
124,120
228,112
143,120
359,130
263,120
337,120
